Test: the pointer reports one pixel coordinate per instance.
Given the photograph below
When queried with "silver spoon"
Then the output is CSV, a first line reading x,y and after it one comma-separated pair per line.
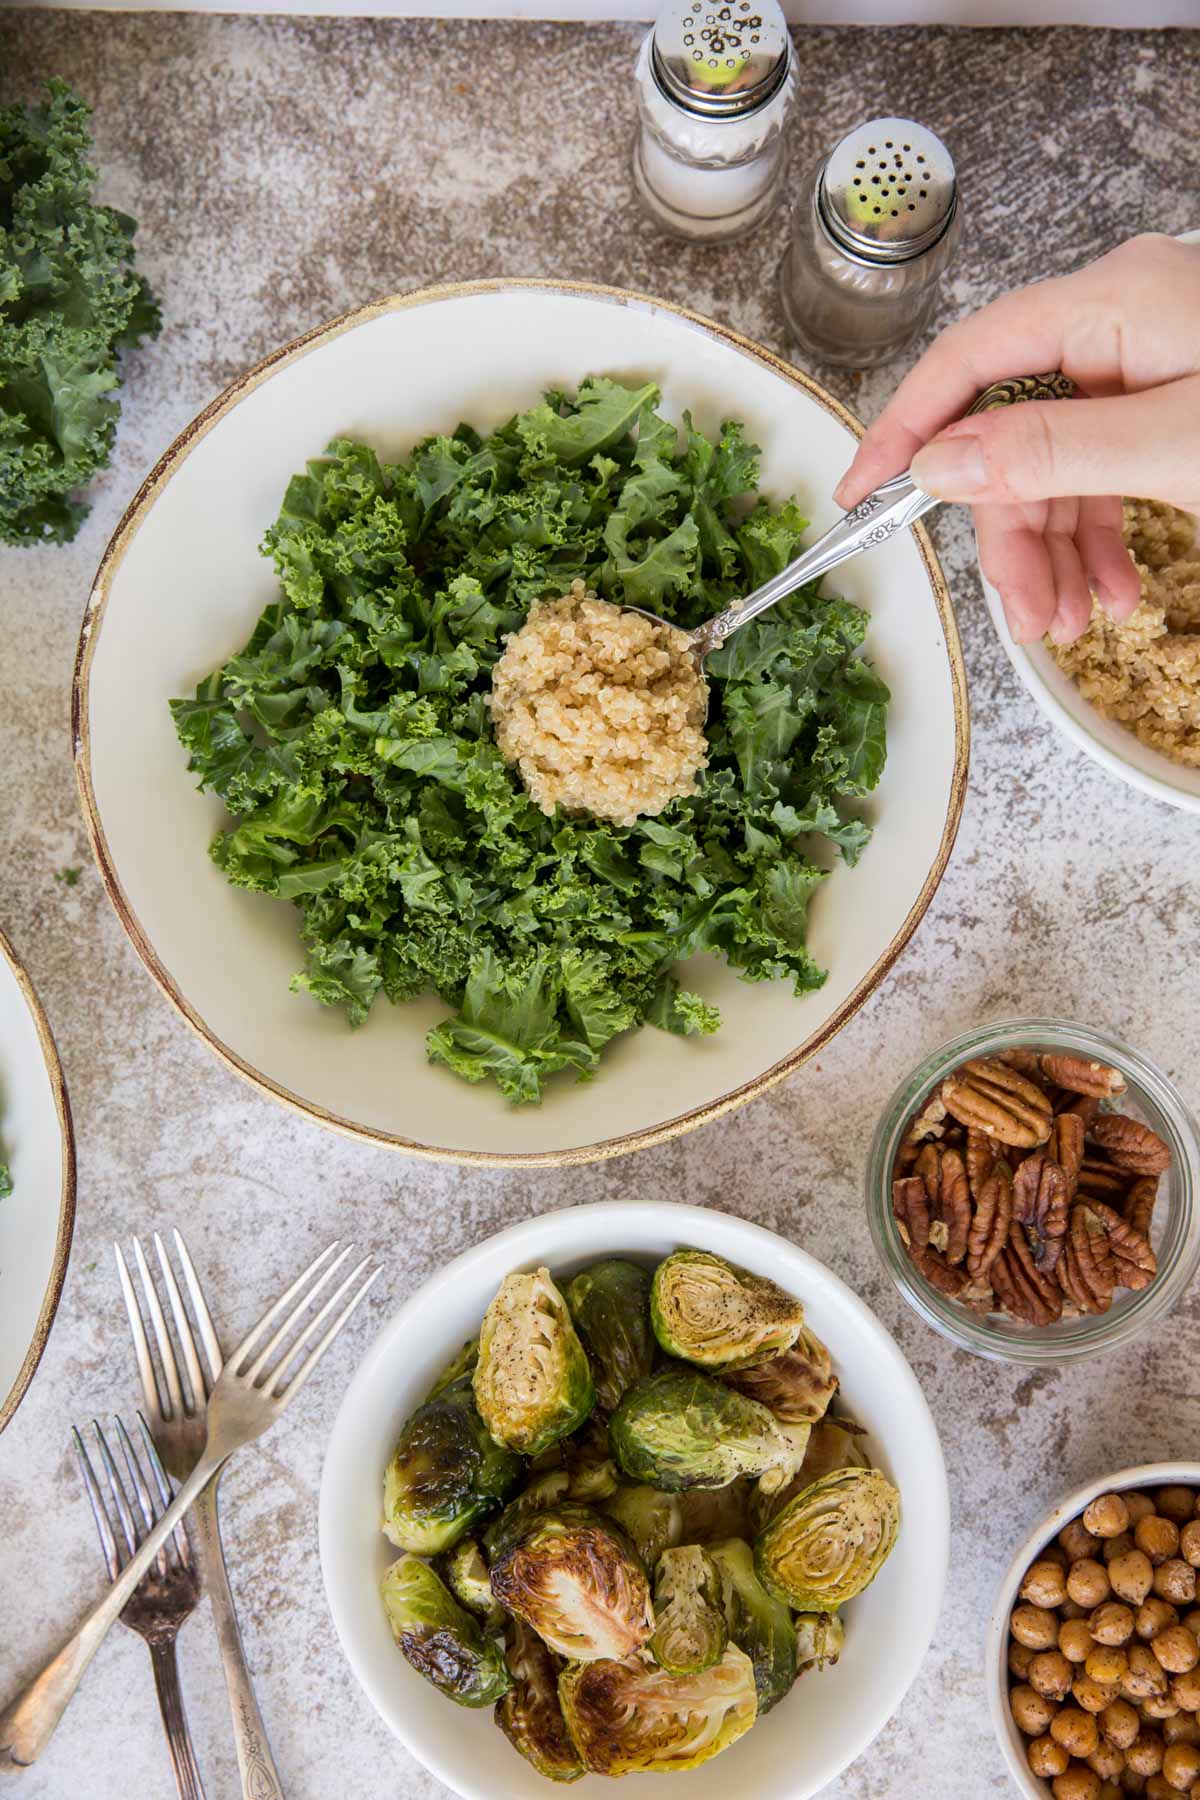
x,y
892,507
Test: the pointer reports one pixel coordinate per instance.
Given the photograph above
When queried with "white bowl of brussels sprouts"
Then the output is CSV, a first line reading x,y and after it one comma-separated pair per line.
x,y
651,1489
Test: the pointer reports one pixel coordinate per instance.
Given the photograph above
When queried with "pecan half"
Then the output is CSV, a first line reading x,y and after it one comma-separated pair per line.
x,y
1028,1276
1000,1101
991,1223
1076,1289
1022,1298
1025,1062
1065,1145
1139,1205
1092,1259
910,1208
1136,1263
980,1158
937,1271
1131,1145
1082,1076
945,1177
1084,1106
1098,1180
1041,1202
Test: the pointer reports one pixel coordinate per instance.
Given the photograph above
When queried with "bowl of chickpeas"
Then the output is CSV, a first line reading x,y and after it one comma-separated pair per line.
x,y
1094,1646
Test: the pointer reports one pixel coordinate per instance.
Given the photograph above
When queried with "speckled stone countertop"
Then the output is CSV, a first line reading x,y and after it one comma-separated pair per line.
x,y
281,172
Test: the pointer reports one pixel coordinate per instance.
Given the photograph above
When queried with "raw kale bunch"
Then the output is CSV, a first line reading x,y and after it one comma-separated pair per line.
x,y
69,302
351,739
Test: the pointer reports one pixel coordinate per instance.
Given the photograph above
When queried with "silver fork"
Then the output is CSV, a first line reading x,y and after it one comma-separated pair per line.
x,y
168,1592
247,1398
175,1411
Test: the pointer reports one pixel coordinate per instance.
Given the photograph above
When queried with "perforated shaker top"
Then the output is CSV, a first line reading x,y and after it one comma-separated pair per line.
x,y
888,190
720,61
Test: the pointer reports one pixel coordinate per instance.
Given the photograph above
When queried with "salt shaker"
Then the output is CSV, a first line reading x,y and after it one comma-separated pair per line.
x,y
714,83
875,228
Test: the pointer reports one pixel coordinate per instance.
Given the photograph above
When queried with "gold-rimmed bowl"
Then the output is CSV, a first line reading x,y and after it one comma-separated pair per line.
x,y
182,584
37,1146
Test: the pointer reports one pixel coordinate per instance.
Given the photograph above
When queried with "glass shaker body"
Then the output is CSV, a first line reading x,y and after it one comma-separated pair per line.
x,y
847,310
708,178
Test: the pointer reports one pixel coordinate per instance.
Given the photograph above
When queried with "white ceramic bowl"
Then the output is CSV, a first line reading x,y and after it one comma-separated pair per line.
x,y
38,1217
1012,1744
182,584
828,1719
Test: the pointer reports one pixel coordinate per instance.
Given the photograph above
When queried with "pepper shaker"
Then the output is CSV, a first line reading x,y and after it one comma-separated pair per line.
x,y
875,228
714,83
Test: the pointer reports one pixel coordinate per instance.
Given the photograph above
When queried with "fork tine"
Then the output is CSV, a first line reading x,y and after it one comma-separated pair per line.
x,y
273,1342
314,1356
208,1336
182,1543
183,1328
108,1542
142,1493
141,1346
120,1499
314,1324
166,1349
272,1313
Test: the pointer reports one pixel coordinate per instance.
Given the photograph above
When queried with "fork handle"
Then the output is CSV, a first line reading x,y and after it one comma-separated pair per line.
x,y
174,1718
260,1778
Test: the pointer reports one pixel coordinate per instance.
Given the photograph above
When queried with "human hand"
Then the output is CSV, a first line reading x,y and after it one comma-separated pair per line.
x,y
1045,477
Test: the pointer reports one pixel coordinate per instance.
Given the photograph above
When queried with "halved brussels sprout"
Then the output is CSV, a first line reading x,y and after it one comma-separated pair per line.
x,y
652,1520
707,1311
797,1385
681,1429
757,1622
831,1541
689,1622
576,1579
592,1474
833,1444
466,1575
446,1472
632,1717
541,1494
820,1638
610,1305
711,1514
529,1715
533,1381
439,1637
461,1363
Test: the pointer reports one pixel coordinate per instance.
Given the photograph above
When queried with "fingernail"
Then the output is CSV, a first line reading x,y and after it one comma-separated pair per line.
x,y
951,468
843,492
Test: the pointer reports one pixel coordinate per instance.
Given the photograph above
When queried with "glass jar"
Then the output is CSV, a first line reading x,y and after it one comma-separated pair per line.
x,y
1175,1231
875,228
714,89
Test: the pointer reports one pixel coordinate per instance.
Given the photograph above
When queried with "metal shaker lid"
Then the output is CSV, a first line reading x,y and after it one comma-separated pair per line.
x,y
720,60
888,191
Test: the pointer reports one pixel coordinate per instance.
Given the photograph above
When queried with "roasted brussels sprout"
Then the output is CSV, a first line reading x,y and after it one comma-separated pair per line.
x,y
758,1624
533,1381
461,1363
681,1429
831,1541
653,1521
710,1515
540,1495
706,1311
819,1640
832,1444
689,1620
610,1304
592,1474
632,1717
439,1637
797,1385
576,1579
529,1715
466,1575
446,1472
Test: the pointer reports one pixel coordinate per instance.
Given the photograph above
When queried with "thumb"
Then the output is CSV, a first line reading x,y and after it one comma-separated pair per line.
x,y
1146,443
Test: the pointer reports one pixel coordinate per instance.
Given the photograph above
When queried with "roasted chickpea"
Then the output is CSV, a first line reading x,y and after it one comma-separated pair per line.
x,y
1019,1658
1088,1582
1078,1541
1054,1553
1071,1609
1075,1640
1119,1724
1112,1623
1185,1691
1076,1730
1157,1537
1138,1506
1051,1674
1031,1711
1174,1580
1107,1516
1145,1755
1034,1626
1176,1649
1181,1765
1145,1677
1107,1664
1132,1576
1107,1761
1093,1696
1046,1758
1154,1615
1132,1783
1078,1783
1118,1546
1189,1543
1177,1503
1160,1707
1045,1585
1159,1788
1183,1728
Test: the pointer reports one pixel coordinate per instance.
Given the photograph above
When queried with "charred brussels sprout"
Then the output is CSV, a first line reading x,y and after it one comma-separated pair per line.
x,y
689,1623
653,1521
592,1473
533,1381
610,1304
575,1578
819,1640
446,1472
758,1624
440,1639
529,1715
680,1429
706,1311
542,1494
466,1575
831,1541
797,1385
632,1717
